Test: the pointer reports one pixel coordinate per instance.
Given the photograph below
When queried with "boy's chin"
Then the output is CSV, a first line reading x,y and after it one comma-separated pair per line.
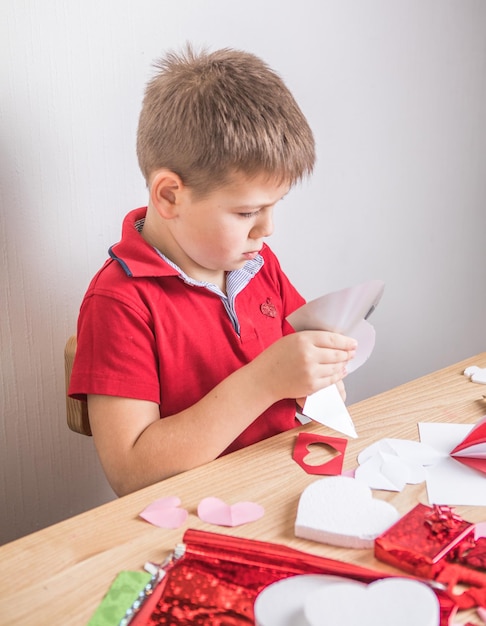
x,y
235,265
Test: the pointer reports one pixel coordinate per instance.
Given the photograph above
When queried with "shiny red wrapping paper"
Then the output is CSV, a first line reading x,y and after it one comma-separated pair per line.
x,y
423,540
219,577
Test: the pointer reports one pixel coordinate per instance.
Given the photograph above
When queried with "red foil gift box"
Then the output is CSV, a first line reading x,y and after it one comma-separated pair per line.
x,y
424,539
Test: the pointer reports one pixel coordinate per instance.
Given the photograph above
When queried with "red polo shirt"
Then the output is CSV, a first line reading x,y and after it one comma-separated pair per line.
x,y
145,333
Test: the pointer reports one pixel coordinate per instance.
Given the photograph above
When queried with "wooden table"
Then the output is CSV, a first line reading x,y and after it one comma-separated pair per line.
x,y
60,574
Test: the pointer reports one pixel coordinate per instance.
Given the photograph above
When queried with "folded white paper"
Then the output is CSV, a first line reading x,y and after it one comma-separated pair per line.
x,y
327,407
390,464
344,312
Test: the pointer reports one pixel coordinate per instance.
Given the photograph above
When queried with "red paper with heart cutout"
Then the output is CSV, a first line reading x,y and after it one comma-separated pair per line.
x,y
333,467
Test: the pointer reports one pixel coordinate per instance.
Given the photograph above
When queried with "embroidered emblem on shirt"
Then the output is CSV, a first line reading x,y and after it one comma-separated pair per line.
x,y
268,308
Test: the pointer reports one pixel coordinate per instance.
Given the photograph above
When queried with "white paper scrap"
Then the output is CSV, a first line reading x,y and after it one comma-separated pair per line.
x,y
390,464
327,407
383,471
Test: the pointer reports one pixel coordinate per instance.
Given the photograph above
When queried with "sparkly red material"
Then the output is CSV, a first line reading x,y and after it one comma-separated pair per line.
x,y
474,555
423,540
474,595
219,577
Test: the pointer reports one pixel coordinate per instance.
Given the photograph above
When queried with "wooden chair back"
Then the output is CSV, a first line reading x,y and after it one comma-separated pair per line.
x,y
76,410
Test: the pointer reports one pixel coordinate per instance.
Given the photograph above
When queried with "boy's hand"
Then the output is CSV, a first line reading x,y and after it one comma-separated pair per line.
x,y
300,364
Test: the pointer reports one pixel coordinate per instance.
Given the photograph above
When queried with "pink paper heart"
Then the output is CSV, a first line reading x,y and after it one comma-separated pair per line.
x,y
165,513
216,511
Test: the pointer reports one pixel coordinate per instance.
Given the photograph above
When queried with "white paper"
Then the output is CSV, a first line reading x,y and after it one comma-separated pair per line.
x,y
390,464
339,311
450,482
414,452
343,312
383,471
327,407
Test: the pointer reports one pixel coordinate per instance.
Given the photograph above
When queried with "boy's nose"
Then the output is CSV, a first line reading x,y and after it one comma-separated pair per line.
x,y
263,227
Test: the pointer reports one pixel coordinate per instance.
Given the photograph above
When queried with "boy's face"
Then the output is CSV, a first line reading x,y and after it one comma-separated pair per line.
x,y
224,229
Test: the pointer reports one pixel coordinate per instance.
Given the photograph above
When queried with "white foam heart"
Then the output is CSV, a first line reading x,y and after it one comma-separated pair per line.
x,y
341,511
397,601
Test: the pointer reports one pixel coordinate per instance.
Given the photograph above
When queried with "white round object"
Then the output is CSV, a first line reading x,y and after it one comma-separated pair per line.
x,y
282,602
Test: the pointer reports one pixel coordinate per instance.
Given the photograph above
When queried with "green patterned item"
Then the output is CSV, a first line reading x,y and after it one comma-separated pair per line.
x,y
120,596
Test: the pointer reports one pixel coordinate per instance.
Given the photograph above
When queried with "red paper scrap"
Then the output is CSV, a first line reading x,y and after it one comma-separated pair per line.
x,y
333,467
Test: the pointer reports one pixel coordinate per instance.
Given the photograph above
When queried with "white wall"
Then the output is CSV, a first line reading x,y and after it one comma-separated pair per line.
x,y
396,93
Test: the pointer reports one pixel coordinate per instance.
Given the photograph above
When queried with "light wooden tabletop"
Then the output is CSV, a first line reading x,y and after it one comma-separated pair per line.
x,y
60,574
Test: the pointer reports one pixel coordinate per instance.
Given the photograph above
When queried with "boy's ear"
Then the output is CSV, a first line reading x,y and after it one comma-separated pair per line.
x,y
165,189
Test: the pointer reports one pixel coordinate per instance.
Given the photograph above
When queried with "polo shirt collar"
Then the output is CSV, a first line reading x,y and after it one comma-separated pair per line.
x,y
137,257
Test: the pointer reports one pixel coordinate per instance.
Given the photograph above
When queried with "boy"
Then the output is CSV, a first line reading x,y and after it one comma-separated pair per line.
x,y
184,352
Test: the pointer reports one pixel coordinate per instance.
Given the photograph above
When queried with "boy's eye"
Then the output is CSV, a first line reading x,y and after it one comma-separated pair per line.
x,y
252,214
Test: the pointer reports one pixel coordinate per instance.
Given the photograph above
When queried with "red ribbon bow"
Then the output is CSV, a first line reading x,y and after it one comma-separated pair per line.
x,y
442,520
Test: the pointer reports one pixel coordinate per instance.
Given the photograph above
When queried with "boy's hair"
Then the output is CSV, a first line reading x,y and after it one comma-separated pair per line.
x,y
206,115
